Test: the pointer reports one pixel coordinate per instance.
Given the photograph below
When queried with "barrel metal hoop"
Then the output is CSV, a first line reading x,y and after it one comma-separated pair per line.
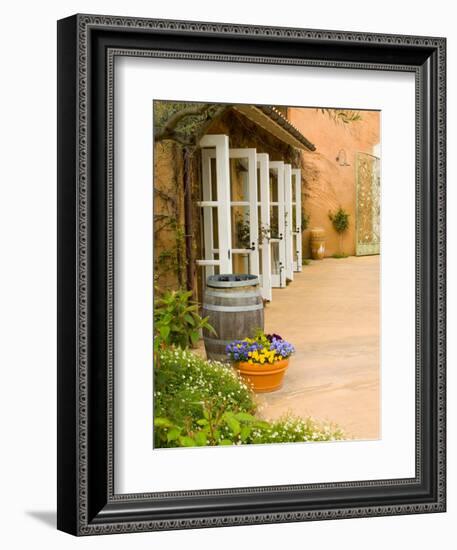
x,y
232,309
216,294
232,284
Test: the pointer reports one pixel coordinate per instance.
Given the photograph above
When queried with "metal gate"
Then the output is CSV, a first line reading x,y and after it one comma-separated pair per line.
x,y
368,204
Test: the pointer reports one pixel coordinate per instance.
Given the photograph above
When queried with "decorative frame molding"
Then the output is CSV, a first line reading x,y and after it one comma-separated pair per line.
x,y
88,45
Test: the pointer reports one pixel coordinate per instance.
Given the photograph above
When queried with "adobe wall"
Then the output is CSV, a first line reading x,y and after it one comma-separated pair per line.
x,y
169,248
327,184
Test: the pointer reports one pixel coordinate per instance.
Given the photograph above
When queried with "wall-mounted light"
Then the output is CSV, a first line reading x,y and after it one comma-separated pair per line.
x,y
341,158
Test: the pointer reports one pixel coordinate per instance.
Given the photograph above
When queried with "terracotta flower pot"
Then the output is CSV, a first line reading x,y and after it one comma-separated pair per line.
x,y
263,378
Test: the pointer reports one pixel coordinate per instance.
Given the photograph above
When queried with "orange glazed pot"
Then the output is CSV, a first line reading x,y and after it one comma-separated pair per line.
x,y
263,378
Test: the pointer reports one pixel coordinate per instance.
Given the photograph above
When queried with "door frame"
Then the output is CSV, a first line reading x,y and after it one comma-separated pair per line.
x,y
288,229
250,155
263,165
279,280
297,249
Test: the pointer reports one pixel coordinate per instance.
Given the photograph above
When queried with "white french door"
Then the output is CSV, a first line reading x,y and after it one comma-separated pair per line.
x,y
215,204
277,227
243,211
229,206
296,219
263,192
251,210
289,270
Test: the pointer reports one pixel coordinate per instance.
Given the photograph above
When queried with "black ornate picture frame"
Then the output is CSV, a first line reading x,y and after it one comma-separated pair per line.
x,y
88,45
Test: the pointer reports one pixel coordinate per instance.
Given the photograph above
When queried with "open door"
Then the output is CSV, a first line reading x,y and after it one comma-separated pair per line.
x,y
288,224
277,229
215,206
243,211
263,192
229,204
296,219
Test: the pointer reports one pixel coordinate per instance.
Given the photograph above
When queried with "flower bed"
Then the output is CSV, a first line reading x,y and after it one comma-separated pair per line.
x,y
198,403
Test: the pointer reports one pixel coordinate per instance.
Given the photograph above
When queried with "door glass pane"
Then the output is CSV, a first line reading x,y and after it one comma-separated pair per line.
x,y
241,235
273,186
274,221
213,173
240,263
208,221
259,224
294,250
258,185
215,227
239,183
274,257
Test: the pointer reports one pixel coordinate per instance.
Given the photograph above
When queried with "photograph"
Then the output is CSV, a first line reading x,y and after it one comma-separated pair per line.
x,y
267,248
251,272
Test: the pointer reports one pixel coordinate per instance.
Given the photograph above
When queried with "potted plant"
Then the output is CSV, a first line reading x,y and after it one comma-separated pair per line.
x,y
262,361
340,222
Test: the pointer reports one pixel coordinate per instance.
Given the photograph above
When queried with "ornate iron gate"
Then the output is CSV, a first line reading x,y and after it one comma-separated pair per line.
x,y
368,205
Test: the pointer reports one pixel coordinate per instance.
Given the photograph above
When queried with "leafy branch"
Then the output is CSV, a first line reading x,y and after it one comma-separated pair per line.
x,y
343,116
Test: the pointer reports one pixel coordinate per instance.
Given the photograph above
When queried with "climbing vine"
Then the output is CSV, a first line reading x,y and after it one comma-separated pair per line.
x,y
168,229
341,116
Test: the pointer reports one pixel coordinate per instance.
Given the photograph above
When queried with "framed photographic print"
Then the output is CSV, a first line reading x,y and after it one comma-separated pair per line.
x,y
251,274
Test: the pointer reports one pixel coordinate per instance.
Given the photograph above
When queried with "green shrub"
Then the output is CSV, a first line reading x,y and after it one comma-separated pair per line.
x,y
176,320
188,390
340,222
198,402
305,219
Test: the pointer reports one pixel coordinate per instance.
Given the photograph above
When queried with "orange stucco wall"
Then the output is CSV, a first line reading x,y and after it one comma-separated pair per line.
x,y
326,184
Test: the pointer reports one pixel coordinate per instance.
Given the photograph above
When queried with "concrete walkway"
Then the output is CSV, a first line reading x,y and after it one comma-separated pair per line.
x,y
330,313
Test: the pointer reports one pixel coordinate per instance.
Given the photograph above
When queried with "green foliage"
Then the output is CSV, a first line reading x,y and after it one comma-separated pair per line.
x,y
198,403
340,220
176,320
184,122
305,261
172,259
343,116
274,227
305,218
197,399
243,231
339,256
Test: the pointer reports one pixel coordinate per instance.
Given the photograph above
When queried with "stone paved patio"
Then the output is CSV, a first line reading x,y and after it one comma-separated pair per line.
x,y
331,314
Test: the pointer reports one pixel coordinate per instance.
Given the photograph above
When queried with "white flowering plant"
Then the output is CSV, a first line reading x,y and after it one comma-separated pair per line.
x,y
199,403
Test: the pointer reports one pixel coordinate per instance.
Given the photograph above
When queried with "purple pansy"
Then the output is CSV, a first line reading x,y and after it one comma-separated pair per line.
x,y
282,347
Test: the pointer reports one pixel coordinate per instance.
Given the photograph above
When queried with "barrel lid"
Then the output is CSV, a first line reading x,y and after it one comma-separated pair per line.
x,y
232,280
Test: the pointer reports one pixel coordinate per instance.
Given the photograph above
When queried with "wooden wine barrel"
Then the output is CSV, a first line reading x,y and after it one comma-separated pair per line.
x,y
317,242
234,306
